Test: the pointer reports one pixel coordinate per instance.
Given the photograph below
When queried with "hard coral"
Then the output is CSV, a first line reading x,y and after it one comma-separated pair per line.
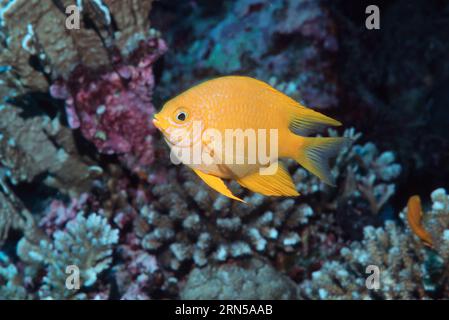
x,y
113,108
187,224
11,285
36,31
85,242
30,147
252,279
408,268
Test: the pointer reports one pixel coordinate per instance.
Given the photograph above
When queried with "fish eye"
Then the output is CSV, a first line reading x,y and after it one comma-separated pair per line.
x,y
181,116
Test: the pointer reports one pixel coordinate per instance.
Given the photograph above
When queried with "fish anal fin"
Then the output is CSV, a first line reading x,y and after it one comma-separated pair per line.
x,y
217,184
277,184
304,121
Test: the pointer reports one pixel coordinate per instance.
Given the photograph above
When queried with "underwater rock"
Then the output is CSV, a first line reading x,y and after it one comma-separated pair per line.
x,y
251,279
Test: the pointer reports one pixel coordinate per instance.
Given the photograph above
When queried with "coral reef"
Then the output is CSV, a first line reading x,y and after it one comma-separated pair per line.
x,y
85,242
186,225
30,33
10,282
30,147
408,268
85,179
113,109
220,44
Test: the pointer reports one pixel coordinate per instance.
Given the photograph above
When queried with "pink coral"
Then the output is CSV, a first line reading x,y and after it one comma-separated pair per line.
x,y
113,107
58,213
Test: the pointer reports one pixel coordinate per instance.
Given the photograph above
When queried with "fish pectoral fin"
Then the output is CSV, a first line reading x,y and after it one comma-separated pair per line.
x,y
272,181
217,184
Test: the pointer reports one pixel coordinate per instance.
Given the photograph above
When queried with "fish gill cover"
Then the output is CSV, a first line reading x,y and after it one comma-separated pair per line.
x,y
86,181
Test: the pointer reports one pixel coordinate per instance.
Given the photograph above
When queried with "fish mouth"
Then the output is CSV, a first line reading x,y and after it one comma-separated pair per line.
x,y
163,126
158,123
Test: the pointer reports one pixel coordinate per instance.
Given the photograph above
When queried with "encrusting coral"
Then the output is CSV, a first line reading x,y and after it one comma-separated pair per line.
x,y
218,46
29,34
113,109
247,280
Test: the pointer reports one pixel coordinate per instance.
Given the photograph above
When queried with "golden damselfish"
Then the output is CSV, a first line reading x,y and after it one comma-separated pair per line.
x,y
414,217
241,103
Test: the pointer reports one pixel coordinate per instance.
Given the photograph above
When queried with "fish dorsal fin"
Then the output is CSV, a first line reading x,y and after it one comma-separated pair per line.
x,y
304,121
278,184
217,184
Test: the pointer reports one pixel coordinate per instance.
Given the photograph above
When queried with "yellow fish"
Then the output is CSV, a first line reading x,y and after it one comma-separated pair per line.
x,y
236,107
414,217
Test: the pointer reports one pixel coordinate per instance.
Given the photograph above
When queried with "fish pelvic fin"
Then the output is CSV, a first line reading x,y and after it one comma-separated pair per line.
x,y
217,184
314,155
275,181
305,121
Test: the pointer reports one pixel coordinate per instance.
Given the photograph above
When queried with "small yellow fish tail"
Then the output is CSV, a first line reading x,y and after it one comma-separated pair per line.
x,y
304,121
314,155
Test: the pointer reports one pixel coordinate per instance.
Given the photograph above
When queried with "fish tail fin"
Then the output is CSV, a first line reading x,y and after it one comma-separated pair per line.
x,y
304,121
314,155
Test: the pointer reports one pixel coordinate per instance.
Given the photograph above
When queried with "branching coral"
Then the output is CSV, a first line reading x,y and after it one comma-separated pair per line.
x,y
34,143
186,224
10,281
85,242
408,268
